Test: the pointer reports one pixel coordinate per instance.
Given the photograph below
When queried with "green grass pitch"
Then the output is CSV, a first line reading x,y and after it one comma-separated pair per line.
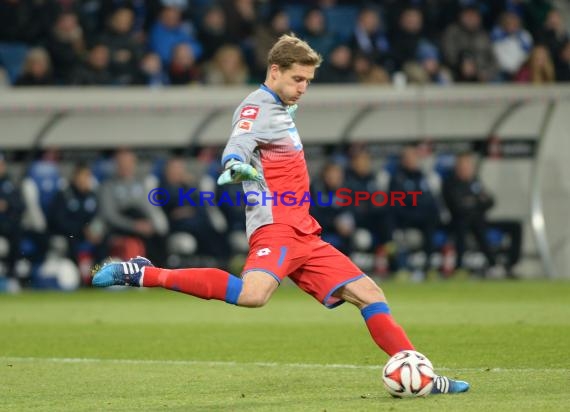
x,y
152,350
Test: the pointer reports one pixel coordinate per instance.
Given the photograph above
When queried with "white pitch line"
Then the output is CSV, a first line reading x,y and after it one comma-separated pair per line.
x,y
258,364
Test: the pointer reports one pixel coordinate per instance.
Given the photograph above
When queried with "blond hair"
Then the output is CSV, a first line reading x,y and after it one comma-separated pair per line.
x,y
219,72
541,66
289,49
35,54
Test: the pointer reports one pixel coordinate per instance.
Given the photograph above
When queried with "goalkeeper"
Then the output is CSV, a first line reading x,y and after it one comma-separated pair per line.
x,y
265,154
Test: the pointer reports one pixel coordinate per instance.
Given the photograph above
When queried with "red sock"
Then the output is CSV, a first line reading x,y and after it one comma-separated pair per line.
x,y
205,283
387,334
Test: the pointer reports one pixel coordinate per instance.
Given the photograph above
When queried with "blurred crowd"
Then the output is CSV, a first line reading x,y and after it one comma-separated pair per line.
x,y
225,42
103,208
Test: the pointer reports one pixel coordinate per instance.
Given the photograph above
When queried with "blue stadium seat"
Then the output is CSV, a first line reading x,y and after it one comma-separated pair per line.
x,y
103,168
158,166
391,164
48,179
296,14
12,56
494,237
440,238
444,165
341,20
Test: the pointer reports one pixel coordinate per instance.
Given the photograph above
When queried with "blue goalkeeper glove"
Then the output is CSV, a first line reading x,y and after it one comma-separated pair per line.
x,y
237,172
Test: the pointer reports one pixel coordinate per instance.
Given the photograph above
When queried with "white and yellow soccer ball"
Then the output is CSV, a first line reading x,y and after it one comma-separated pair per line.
x,y
408,374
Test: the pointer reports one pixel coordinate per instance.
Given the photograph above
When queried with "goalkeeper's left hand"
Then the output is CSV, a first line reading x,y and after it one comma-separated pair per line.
x,y
237,172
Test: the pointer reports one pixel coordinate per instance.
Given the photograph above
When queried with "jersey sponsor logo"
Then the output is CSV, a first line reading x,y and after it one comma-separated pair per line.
x,y
244,125
249,112
263,252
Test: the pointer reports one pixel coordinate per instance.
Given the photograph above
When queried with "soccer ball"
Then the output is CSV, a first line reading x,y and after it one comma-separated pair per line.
x,y
408,374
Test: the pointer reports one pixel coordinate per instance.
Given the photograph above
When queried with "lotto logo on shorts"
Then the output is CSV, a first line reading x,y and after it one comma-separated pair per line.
x,y
249,112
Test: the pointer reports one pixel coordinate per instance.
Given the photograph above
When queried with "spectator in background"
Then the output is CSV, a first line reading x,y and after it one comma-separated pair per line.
x,y
338,222
11,210
145,14
124,51
94,71
170,31
370,39
511,44
427,69
436,13
468,202
66,46
133,223
538,69
465,38
183,69
467,70
150,73
88,14
554,33
37,69
360,177
241,16
73,214
266,34
534,13
213,32
369,72
563,64
424,216
227,67
22,23
315,32
92,15
41,183
337,68
407,37
183,216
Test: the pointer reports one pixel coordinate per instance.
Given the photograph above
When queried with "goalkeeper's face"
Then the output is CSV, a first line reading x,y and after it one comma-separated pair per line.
x,y
290,84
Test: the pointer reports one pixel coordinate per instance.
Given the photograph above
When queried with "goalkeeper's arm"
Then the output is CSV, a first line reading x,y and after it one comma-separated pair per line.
x,y
237,172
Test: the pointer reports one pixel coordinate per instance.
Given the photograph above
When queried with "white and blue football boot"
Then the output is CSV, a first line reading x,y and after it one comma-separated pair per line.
x,y
121,273
443,384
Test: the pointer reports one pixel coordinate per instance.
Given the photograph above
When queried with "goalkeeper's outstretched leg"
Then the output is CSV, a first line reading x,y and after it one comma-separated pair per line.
x,y
253,290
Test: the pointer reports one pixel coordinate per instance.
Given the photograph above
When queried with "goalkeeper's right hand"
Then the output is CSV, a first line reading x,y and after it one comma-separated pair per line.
x,y
237,172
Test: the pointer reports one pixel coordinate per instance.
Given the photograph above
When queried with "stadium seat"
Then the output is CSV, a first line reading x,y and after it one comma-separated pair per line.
x,y
444,164
39,187
341,20
46,177
12,56
103,168
296,14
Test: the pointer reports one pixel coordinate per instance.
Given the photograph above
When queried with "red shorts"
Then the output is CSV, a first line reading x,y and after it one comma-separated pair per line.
x,y
314,265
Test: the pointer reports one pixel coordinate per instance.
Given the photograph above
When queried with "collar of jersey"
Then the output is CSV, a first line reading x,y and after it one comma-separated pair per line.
x,y
272,93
